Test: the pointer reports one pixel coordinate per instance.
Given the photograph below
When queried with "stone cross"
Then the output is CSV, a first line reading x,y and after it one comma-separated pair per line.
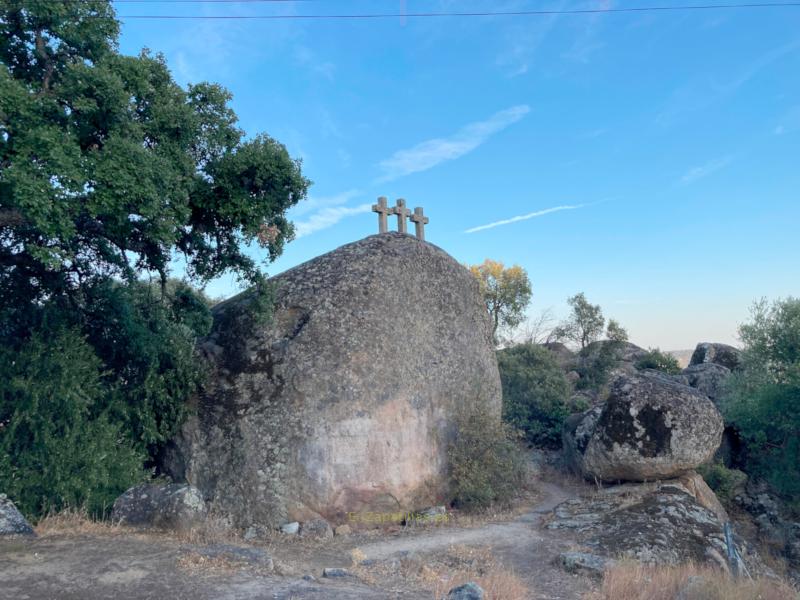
x,y
401,212
419,220
383,211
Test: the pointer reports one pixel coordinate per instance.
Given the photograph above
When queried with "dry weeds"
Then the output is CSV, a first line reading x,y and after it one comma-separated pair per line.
x,y
440,572
634,581
76,521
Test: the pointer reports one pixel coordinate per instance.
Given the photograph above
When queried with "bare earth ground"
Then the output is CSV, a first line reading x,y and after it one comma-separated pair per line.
x,y
123,564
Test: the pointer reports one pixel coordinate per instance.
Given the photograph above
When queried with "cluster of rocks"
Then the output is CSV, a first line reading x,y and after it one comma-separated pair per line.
x,y
640,442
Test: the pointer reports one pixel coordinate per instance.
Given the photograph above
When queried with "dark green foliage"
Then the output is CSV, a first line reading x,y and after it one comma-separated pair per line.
x,y
535,393
109,171
486,464
725,482
762,399
146,342
595,364
58,446
660,361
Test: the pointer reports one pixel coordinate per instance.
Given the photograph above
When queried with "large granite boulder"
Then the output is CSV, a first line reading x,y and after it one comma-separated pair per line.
x,y
719,354
12,523
707,378
651,427
346,401
167,506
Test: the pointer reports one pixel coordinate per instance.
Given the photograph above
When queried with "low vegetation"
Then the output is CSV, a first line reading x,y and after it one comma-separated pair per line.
x,y
535,393
762,398
486,463
725,482
660,361
635,581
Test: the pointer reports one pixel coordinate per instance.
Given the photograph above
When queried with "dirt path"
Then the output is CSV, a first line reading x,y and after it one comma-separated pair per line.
x,y
138,567
523,545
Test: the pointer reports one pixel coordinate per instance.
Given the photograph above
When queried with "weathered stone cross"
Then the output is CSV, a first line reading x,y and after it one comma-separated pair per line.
x,y
383,211
401,212
419,220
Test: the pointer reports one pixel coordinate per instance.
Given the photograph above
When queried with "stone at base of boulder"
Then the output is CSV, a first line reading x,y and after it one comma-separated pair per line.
x,y
468,591
12,523
316,528
335,572
585,563
342,530
290,528
169,506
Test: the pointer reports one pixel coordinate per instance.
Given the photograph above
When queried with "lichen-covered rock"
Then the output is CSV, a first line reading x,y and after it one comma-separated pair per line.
x,y
316,528
12,523
651,427
585,563
707,378
654,524
346,401
166,506
719,354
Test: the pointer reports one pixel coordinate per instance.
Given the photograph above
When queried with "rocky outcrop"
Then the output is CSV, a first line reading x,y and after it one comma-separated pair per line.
x,y
345,402
651,427
654,524
165,506
719,354
12,523
707,378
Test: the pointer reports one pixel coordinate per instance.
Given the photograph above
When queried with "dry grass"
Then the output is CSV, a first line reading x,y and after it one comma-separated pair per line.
x,y
195,563
634,581
75,521
439,572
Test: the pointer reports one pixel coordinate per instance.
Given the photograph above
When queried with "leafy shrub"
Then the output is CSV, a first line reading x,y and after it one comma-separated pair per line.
x,y
485,462
146,342
595,364
535,393
661,361
725,482
58,446
762,399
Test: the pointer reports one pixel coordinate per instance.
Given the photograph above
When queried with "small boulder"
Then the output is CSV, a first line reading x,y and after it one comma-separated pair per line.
x,y
290,528
167,506
719,354
12,523
707,378
316,528
584,563
468,591
343,530
651,427
335,572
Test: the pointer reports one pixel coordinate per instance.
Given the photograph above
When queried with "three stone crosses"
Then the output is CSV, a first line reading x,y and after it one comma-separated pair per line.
x,y
401,212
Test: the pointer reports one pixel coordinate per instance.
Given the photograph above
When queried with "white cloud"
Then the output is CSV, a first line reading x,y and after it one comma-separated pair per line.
x,y
324,212
705,170
532,215
430,153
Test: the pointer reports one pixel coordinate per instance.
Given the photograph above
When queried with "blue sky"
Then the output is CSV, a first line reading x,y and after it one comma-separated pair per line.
x,y
670,141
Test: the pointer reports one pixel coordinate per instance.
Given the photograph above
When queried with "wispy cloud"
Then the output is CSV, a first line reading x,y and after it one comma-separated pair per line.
x,y
324,212
430,153
705,170
533,215
699,95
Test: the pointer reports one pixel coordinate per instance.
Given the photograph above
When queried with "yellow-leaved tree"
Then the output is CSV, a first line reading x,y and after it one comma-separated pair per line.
x,y
506,292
